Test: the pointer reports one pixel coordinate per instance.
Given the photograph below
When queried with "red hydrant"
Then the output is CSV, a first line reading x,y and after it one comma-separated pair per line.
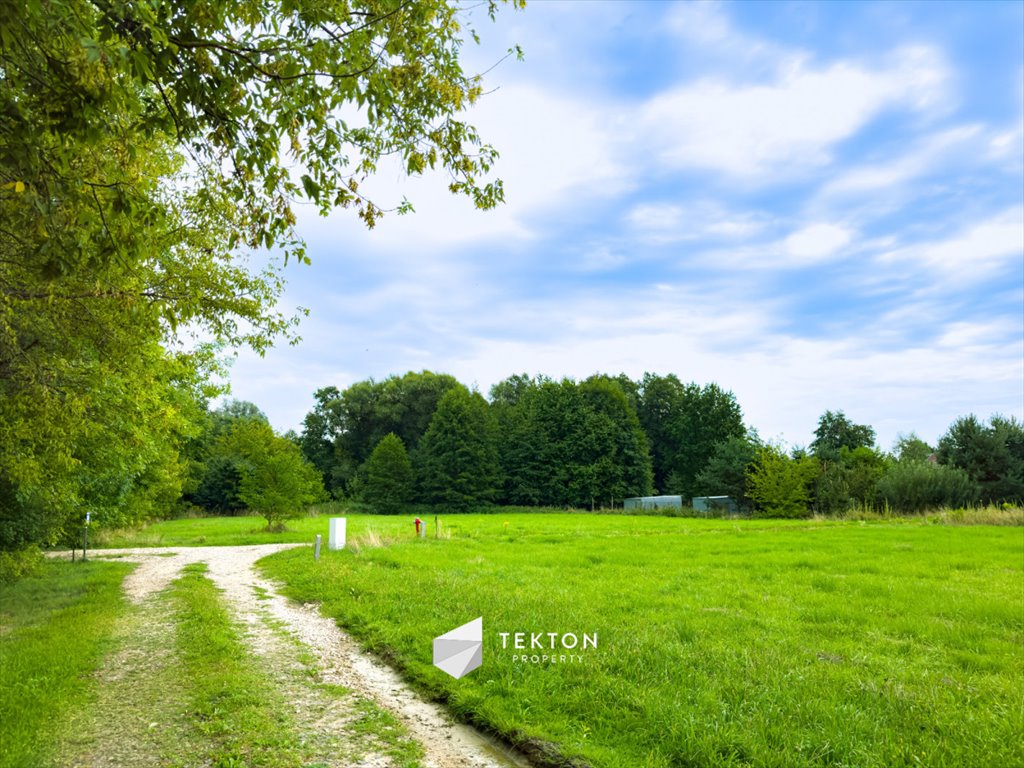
x,y
418,524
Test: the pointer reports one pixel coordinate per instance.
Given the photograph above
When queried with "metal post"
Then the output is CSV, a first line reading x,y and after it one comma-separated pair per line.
x,y
316,548
85,540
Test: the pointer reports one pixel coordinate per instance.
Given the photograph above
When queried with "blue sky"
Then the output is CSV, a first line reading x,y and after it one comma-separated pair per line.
x,y
818,206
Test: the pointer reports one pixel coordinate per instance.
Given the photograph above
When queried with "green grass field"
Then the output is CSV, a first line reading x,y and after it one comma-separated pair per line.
x,y
720,643
54,631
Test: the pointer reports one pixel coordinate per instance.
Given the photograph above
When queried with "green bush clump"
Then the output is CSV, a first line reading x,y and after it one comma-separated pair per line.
x,y
19,563
916,486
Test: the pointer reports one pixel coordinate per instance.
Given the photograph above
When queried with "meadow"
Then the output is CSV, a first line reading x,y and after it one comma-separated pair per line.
x,y
720,643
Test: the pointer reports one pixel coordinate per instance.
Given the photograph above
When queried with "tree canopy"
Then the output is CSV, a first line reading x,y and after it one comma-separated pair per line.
x,y
835,432
275,481
991,454
684,423
147,153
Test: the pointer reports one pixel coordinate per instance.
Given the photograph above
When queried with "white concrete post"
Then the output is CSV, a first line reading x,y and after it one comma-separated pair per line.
x,y
336,537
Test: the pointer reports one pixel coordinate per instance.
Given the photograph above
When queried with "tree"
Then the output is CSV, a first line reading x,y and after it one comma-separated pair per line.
x,y
617,456
849,480
780,485
101,436
725,474
320,431
140,164
659,403
570,444
389,476
992,455
276,482
228,86
215,476
344,427
912,448
684,423
835,432
520,444
457,460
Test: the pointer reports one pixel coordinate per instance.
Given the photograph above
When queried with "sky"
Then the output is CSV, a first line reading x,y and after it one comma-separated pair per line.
x,y
819,206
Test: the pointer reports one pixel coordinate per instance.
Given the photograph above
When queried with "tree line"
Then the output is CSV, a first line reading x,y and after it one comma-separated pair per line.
x,y
425,437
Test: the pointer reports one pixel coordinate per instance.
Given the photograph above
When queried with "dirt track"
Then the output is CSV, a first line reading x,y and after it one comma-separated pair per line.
x,y
278,630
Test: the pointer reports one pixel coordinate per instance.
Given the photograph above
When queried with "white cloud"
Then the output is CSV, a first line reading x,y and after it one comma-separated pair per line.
x,y
811,244
760,131
555,152
973,254
656,216
669,222
930,155
782,382
706,27
430,292
817,242
701,23
600,258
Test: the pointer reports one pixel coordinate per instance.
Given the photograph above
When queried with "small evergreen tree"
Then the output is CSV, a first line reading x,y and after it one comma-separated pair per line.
x,y
389,478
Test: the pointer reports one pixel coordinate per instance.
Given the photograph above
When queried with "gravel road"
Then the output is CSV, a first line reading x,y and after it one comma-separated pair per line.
x,y
447,744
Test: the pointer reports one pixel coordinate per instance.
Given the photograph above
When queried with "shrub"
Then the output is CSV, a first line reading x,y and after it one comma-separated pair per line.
x,y
779,485
19,563
916,486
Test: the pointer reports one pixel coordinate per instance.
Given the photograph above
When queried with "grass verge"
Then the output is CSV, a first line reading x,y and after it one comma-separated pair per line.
x,y
54,631
721,643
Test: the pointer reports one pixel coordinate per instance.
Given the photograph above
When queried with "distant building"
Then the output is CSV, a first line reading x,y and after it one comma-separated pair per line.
x,y
715,505
654,502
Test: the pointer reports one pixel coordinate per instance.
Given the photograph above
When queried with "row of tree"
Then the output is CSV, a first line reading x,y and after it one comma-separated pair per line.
x,y
538,441
842,469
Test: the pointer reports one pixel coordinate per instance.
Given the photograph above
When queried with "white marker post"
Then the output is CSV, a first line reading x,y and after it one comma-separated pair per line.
x,y
336,536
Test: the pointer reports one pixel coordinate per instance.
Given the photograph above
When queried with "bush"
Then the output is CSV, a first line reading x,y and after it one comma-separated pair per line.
x,y
848,481
19,563
779,485
916,486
